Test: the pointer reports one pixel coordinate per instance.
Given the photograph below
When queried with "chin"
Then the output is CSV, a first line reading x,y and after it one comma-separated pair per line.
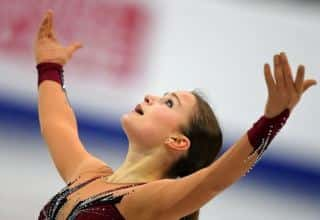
x,y
129,124
138,131
125,121
124,118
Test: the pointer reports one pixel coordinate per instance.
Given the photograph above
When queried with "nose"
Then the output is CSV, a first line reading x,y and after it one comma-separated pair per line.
x,y
149,99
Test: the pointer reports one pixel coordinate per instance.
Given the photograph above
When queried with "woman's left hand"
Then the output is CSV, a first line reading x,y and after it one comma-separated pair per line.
x,y
47,48
283,92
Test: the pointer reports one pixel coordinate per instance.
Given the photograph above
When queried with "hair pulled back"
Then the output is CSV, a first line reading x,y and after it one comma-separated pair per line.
x,y
205,138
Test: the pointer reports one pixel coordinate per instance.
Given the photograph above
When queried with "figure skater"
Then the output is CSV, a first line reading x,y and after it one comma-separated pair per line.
x,y
170,170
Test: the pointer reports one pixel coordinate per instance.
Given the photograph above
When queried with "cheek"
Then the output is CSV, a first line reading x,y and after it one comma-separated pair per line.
x,y
152,128
148,130
159,125
165,119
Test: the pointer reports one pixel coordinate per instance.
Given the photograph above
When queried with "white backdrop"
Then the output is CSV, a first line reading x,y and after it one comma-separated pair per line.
x,y
219,47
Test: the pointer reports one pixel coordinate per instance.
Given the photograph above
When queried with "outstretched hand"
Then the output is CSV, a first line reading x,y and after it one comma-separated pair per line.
x,y
47,48
283,92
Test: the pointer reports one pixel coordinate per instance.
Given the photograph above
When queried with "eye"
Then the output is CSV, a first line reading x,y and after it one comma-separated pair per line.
x,y
169,103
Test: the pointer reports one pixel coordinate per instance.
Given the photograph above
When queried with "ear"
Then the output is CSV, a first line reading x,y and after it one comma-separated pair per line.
x,y
178,142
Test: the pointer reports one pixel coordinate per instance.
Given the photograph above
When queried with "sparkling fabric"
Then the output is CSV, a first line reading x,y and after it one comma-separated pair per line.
x,y
262,133
97,207
265,129
99,212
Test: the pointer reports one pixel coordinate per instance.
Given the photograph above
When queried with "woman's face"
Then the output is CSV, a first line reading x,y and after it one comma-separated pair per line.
x,y
158,117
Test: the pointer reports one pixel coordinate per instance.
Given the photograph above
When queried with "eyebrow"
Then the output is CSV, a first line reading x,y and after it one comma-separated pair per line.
x,y
174,95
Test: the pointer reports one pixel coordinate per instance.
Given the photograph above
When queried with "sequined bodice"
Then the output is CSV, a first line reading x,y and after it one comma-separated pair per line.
x,y
100,206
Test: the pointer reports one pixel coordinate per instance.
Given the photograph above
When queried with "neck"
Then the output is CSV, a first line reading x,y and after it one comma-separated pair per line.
x,y
142,166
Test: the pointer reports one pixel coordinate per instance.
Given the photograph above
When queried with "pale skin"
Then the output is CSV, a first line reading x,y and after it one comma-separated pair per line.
x,y
153,147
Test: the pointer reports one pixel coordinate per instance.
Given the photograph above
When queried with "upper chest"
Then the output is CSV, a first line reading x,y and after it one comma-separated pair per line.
x,y
84,191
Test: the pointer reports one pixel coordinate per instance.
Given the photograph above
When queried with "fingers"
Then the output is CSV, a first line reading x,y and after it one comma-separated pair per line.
x,y
285,63
307,84
278,72
284,79
73,47
269,79
286,70
299,79
51,33
46,27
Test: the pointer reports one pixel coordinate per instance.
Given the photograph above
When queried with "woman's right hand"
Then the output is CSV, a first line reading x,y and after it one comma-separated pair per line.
x,y
47,48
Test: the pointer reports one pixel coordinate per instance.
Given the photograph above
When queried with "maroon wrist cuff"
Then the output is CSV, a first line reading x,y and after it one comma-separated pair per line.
x,y
265,129
50,71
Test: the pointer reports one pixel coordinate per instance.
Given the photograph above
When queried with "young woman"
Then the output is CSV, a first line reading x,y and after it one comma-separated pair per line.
x,y
176,135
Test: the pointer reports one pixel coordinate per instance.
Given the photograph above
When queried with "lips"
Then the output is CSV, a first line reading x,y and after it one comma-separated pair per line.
x,y
138,109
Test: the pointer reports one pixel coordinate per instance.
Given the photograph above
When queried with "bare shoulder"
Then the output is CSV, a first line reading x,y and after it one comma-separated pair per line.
x,y
90,168
141,201
171,198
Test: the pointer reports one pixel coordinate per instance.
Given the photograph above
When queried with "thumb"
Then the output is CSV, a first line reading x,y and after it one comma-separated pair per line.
x,y
308,83
73,47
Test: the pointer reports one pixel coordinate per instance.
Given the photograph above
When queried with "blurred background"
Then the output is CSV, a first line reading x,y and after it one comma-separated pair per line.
x,y
133,48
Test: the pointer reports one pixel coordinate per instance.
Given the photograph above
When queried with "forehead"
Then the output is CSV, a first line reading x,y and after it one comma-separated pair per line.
x,y
187,99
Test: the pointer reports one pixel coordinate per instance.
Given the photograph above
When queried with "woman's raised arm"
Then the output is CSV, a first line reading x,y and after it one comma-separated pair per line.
x,y
177,198
57,120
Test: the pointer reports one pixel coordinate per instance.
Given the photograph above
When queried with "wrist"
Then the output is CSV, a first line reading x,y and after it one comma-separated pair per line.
x,y
265,129
50,71
271,115
59,61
